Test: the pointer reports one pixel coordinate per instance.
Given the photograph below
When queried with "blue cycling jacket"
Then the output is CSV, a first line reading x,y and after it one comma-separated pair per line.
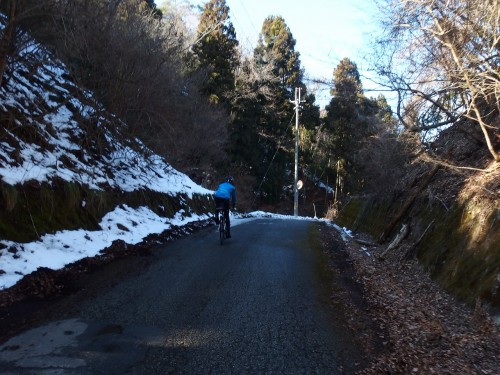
x,y
226,191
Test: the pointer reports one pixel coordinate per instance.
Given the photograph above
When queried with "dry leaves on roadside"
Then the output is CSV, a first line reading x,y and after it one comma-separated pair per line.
x,y
424,330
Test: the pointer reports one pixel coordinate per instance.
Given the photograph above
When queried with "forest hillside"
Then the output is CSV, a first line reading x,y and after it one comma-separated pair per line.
x,y
67,167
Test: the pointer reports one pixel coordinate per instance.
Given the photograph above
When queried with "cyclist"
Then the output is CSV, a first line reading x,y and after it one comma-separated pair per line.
x,y
225,192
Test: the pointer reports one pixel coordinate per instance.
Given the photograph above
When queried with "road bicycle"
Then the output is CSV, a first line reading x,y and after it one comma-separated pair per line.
x,y
222,224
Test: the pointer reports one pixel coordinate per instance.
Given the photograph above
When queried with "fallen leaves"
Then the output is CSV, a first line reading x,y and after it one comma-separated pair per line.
x,y
423,330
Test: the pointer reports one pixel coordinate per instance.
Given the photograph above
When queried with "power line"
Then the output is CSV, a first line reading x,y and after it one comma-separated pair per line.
x,y
272,159
249,17
248,47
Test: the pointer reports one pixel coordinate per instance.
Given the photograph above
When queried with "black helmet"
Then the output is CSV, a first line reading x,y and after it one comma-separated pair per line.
x,y
229,179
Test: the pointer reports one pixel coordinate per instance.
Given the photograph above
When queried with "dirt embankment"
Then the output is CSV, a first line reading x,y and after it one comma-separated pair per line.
x,y
446,212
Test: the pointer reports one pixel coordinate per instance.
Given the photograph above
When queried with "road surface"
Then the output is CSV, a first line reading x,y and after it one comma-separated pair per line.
x,y
258,304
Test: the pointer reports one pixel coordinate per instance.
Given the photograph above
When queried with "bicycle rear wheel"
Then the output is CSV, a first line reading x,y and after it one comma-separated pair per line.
x,y
222,227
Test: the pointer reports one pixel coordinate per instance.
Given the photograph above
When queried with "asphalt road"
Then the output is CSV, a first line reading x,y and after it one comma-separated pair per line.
x,y
259,304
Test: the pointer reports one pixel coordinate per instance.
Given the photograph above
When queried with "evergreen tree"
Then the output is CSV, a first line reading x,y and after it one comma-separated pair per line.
x,y
347,82
268,121
347,90
247,108
127,8
347,123
151,6
276,46
351,121
275,52
216,51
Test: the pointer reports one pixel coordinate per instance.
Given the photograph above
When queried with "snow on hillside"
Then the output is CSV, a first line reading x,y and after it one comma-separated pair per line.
x,y
48,103
123,166
52,111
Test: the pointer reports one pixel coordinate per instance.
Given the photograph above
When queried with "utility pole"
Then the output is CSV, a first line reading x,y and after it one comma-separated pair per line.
x,y
295,186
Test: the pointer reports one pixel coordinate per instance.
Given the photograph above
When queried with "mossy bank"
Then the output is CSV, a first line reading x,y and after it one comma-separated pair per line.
x,y
459,245
32,209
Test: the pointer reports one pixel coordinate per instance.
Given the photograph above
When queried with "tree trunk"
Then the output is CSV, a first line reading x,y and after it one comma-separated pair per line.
x,y
409,202
411,251
7,38
405,229
487,137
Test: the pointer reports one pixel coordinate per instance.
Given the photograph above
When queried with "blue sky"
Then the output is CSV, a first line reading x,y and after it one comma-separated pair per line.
x,y
325,30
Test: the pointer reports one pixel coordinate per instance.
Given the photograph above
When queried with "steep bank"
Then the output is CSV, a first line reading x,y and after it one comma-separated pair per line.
x,y
451,225
72,180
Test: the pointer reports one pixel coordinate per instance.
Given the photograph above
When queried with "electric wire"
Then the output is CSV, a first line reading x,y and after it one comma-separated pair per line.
x,y
272,159
247,48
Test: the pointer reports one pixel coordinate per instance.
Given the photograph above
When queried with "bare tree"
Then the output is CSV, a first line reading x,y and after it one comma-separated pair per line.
x,y
136,64
16,44
442,57
7,40
252,81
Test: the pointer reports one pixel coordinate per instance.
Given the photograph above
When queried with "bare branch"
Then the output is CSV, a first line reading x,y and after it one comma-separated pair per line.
x,y
443,59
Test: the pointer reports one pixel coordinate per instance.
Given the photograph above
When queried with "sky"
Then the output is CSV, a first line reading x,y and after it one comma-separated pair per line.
x,y
123,169
326,31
